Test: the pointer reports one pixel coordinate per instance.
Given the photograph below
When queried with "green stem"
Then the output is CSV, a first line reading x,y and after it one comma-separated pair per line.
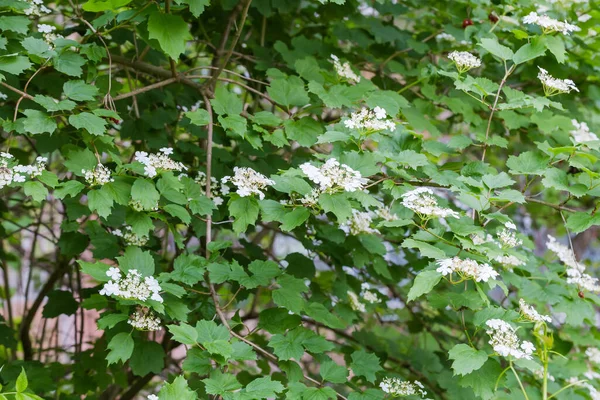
x,y
566,387
519,380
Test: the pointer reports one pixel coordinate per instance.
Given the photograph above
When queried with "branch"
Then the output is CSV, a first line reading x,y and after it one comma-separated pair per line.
x,y
555,206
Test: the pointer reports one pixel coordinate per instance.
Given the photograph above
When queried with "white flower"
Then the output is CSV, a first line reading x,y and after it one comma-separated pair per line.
x,y
44,28
385,213
9,172
98,177
152,397
397,387
509,261
158,162
360,222
531,314
508,236
344,70
575,271
445,37
248,182
593,354
464,60
581,133
3,96
114,274
367,295
36,8
423,203
466,269
217,188
505,342
144,322
334,177
553,86
370,120
132,286
355,303
130,237
548,24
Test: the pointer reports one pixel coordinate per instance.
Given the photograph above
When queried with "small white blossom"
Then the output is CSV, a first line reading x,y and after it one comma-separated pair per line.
x,y
138,206
217,188
508,236
548,24
36,8
368,295
575,271
98,177
360,222
3,96
531,314
423,203
466,269
158,162
9,172
355,303
334,177
509,261
445,37
44,28
130,237
370,120
132,287
593,354
144,322
464,60
553,86
581,133
505,342
385,214
152,397
248,182
397,387
344,70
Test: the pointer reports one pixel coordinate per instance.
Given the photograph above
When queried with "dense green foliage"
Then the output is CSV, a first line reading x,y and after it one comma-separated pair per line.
x,y
193,204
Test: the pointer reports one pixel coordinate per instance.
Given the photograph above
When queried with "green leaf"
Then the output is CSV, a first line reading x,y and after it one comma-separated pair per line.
x,y
121,348
36,190
82,159
295,218
14,64
196,6
96,270
178,212
53,105
529,51
144,191
80,91
109,321
17,24
136,258
188,269
184,334
21,384
220,384
495,48
424,283
100,201
262,274
528,163
198,361
178,390
147,357
365,364
288,346
199,117
38,122
226,102
581,221
556,45
466,359
69,63
88,121
305,131
104,5
245,212
426,249
37,47
171,31
337,204
261,388
332,372
288,91
60,302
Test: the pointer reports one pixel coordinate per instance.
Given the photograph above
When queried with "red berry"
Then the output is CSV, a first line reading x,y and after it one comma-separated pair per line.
x,y
581,295
493,18
467,22
115,121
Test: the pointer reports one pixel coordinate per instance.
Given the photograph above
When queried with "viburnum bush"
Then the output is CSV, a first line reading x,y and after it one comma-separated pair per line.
x,y
299,199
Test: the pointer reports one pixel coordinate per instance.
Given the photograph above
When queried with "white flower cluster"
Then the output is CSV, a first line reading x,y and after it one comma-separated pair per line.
x,y
3,96
355,303
159,161
130,238
548,24
423,203
554,85
18,173
97,177
144,322
36,8
367,295
397,387
334,177
508,236
445,37
138,206
344,70
385,213
466,269
248,182
370,120
464,60
152,397
581,133
593,354
509,261
574,381
132,286
49,35
575,271
531,314
479,239
217,189
360,222
505,342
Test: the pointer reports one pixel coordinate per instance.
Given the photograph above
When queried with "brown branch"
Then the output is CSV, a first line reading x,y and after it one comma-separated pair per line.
x,y
146,89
